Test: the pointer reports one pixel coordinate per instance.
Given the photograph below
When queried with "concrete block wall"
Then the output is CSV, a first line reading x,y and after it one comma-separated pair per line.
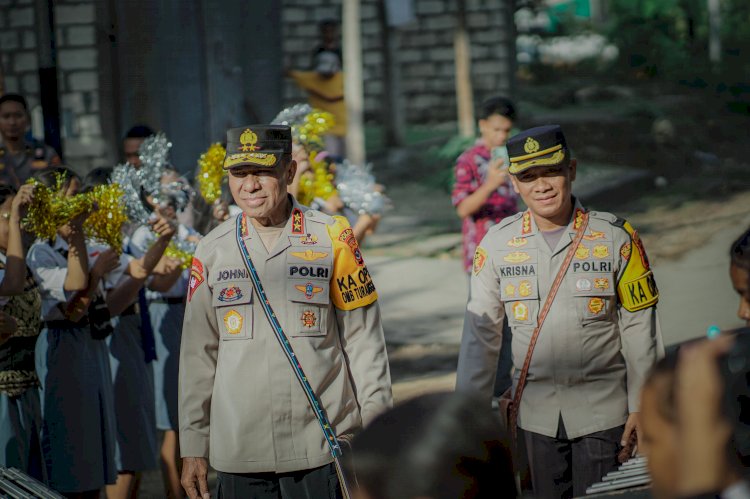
x,y
425,54
78,77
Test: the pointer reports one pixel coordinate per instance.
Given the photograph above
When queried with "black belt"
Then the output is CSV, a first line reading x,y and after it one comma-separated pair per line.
x,y
63,324
170,301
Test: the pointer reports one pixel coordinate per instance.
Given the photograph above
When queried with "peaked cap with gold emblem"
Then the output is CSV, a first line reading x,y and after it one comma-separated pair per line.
x,y
257,145
540,146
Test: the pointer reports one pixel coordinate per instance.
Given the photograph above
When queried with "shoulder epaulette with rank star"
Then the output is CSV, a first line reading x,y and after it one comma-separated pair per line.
x,y
298,222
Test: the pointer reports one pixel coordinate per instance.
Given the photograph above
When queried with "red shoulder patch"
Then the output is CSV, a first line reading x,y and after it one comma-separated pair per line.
x,y
196,277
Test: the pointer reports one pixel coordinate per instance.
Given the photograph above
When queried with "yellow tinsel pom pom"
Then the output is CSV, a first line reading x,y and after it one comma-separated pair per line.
x,y
316,182
184,257
50,209
105,224
316,124
211,172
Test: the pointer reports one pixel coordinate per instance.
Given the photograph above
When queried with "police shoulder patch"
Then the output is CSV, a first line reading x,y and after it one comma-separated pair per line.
x,y
480,258
636,286
351,286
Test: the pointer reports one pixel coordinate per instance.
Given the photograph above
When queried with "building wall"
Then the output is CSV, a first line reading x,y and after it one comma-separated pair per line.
x,y
93,109
78,77
425,55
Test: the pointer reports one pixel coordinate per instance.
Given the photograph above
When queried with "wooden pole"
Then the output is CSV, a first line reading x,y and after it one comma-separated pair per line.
x,y
464,96
392,111
353,87
714,36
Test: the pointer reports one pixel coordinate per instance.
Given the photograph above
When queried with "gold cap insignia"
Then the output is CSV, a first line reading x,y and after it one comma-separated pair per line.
x,y
248,140
531,146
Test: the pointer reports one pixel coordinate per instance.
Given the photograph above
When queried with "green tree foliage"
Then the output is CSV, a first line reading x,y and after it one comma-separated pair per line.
x,y
657,37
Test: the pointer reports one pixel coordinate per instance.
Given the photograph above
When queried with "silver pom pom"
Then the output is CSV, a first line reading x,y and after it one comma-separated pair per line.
x,y
153,152
127,177
356,187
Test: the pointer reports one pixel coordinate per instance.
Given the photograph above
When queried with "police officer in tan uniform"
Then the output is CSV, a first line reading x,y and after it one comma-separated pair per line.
x,y
19,158
601,335
239,402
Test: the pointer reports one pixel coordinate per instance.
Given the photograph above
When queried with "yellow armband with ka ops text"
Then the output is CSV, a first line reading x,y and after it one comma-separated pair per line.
x,y
352,285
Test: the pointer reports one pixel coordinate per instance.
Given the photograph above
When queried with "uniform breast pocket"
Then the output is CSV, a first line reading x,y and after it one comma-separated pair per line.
x,y
233,303
308,310
594,297
521,298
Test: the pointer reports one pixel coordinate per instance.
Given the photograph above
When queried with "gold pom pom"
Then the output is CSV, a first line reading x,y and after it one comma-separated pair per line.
x,y
184,257
51,209
317,182
105,224
316,124
211,172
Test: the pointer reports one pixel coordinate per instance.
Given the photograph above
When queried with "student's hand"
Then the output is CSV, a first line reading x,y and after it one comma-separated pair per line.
x,y
105,263
20,202
8,326
703,430
166,266
220,211
195,477
496,174
163,227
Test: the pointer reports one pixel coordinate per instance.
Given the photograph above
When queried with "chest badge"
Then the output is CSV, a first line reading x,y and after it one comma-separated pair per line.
x,y
517,257
510,290
230,294
309,255
233,322
520,311
583,285
596,305
582,252
601,283
601,251
309,319
524,288
308,239
594,235
309,290
518,242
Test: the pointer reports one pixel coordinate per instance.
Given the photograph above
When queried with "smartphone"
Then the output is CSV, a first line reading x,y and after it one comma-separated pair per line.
x,y
501,152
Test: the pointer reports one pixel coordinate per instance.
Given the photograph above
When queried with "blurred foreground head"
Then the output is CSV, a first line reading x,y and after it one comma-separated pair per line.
x,y
739,272
442,445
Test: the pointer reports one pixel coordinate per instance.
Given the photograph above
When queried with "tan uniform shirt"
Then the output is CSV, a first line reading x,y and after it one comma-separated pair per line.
x,y
239,401
16,168
599,340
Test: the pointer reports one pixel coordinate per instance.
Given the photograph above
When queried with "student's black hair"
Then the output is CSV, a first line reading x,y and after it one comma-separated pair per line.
x,y
48,177
14,98
497,105
740,251
97,176
140,132
435,445
7,191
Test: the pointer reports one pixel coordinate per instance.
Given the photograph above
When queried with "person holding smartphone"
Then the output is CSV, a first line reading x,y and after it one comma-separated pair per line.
x,y
483,196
